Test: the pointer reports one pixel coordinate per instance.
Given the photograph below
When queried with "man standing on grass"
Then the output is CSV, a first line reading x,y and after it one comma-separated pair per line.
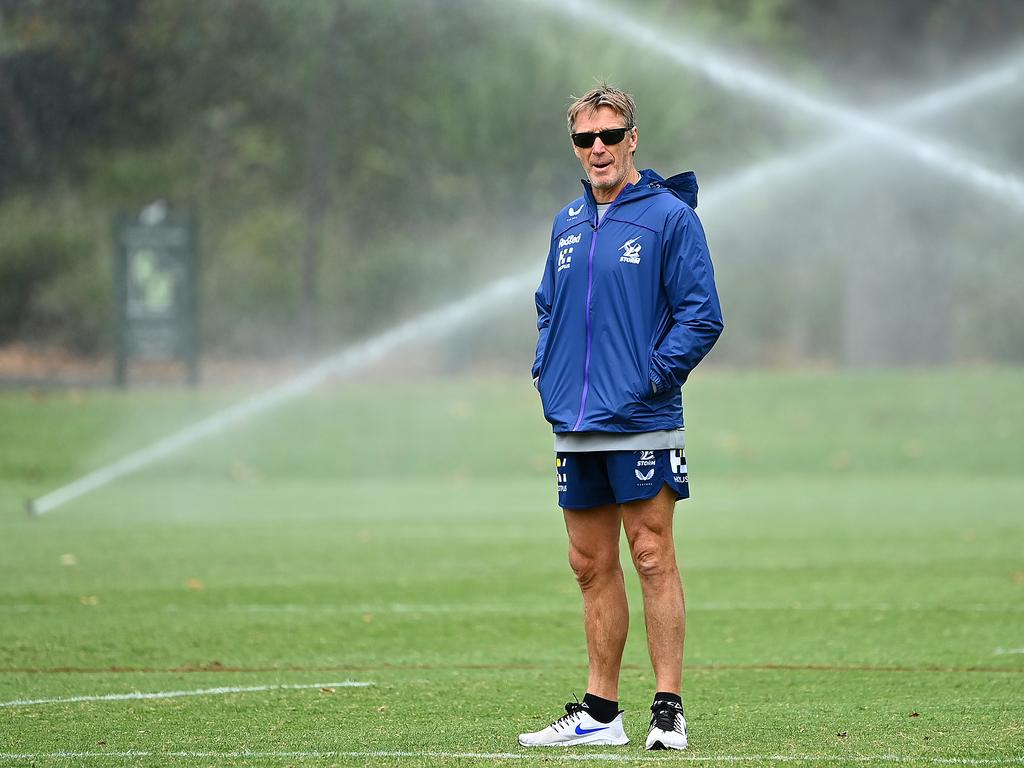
x,y
626,308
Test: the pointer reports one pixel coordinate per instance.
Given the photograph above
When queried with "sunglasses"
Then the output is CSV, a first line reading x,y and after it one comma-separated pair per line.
x,y
608,137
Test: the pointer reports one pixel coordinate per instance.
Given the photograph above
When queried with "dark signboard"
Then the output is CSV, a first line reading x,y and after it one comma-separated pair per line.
x,y
156,289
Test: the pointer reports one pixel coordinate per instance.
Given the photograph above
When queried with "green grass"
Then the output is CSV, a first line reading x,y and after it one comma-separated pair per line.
x,y
853,555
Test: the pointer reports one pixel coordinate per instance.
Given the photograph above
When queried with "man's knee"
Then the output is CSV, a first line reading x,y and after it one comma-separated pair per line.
x,y
593,568
653,555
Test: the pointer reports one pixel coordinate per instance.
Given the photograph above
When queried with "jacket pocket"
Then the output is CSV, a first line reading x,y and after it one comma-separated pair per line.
x,y
645,392
553,399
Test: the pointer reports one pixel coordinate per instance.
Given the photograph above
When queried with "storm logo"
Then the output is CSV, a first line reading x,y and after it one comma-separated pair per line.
x,y
630,251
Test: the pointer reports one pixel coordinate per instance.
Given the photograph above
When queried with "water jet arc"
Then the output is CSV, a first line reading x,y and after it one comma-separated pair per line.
x,y
345,362
801,162
736,77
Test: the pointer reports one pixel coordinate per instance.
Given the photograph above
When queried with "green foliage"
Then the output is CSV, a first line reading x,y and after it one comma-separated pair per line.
x,y
423,143
48,288
252,279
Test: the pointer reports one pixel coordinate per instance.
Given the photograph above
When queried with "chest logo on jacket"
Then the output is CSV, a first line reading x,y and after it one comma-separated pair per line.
x,y
573,213
630,251
565,246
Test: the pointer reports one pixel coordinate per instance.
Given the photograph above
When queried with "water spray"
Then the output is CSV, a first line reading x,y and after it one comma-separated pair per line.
x,y
801,162
427,327
733,76
444,320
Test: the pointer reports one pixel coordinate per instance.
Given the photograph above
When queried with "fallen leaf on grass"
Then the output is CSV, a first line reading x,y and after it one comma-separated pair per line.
x,y
842,734
914,448
840,461
89,600
195,585
326,690
241,472
68,559
915,714
460,410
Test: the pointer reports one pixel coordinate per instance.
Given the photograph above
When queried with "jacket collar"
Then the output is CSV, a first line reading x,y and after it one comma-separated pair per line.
x,y
682,185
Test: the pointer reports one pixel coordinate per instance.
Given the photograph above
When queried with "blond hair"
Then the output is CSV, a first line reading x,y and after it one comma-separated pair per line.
x,y
603,95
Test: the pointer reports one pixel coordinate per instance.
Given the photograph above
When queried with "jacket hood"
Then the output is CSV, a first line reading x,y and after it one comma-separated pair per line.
x,y
682,185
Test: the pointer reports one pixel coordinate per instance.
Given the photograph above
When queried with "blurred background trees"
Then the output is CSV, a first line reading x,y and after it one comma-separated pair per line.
x,y
353,162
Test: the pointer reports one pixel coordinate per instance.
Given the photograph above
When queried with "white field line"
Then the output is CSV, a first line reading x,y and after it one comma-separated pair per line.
x,y
438,323
543,755
522,608
178,694
1007,651
735,76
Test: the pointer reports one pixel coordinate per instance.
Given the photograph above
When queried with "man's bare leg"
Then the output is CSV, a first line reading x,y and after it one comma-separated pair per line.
x,y
648,527
594,557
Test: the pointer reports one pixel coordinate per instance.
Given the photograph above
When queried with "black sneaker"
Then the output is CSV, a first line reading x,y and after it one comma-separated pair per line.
x,y
668,726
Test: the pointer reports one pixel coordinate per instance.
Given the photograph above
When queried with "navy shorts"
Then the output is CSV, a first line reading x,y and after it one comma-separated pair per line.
x,y
596,478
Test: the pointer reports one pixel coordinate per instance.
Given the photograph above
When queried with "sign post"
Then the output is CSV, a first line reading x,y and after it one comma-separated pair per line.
x,y
157,290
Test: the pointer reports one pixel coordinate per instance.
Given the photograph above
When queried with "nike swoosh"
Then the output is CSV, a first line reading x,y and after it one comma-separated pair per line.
x,y
577,212
585,731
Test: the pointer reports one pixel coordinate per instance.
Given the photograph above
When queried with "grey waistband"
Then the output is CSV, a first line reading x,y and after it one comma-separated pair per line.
x,y
580,442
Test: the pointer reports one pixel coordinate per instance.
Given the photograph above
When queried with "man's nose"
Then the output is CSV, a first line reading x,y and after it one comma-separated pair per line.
x,y
599,145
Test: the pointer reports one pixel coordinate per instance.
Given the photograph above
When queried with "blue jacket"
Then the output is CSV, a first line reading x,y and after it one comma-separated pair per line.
x,y
625,309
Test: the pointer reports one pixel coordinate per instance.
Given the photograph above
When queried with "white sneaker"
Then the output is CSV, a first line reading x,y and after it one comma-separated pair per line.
x,y
576,726
668,726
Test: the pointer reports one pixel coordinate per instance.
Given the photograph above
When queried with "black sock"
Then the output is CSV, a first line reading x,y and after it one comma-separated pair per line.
x,y
602,710
675,698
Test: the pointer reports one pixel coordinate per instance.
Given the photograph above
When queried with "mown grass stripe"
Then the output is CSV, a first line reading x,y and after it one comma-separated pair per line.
x,y
484,667
524,608
543,754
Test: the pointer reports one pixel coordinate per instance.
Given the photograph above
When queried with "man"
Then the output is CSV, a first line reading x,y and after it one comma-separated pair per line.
x,y
626,308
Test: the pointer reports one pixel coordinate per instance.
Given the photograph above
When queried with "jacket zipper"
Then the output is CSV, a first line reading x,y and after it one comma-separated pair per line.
x,y
590,287
586,361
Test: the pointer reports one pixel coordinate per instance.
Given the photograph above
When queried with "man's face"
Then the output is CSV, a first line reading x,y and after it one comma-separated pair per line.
x,y
609,168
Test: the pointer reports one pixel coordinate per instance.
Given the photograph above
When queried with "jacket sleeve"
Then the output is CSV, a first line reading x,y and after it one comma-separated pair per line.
x,y
696,315
544,297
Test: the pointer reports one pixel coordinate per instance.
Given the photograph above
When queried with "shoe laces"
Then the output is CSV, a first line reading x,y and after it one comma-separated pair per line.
x,y
665,715
572,711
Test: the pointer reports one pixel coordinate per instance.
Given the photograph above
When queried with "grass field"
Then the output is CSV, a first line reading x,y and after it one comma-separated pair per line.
x,y
853,557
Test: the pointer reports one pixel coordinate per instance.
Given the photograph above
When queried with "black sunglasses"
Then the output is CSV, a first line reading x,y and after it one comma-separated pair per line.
x,y
608,137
